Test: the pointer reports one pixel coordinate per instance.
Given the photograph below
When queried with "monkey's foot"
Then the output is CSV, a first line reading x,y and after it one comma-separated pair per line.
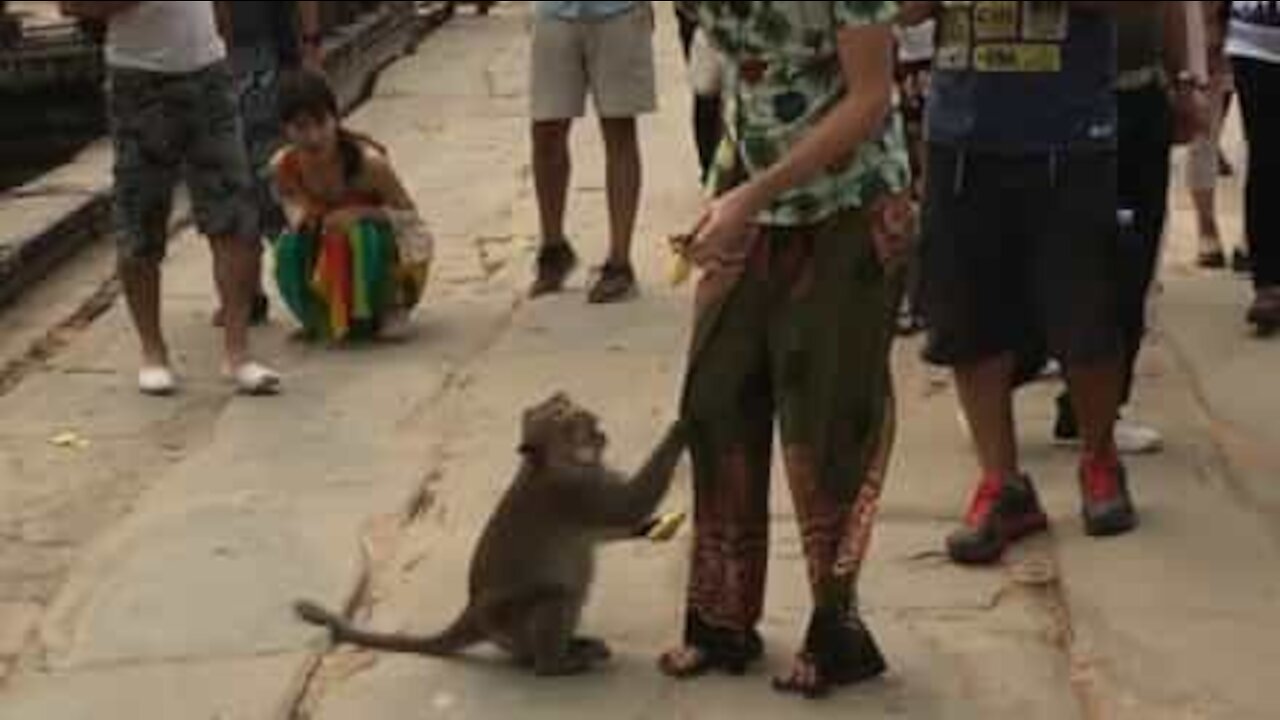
x,y
573,663
594,649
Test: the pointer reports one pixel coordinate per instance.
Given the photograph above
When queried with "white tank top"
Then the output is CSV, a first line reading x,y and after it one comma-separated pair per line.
x,y
165,36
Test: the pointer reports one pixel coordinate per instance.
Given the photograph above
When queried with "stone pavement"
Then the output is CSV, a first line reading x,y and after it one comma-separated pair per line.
x,y
149,573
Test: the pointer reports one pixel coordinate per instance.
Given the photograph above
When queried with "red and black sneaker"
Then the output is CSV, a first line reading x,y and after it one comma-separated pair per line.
x,y
1107,507
1001,514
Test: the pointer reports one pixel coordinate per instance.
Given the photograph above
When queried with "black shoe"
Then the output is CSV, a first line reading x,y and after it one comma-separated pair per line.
x,y
1241,262
556,260
615,284
1066,428
1000,514
1264,313
1107,506
1211,260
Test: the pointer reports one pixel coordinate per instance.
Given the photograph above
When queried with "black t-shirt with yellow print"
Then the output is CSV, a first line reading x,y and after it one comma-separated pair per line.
x,y
1021,77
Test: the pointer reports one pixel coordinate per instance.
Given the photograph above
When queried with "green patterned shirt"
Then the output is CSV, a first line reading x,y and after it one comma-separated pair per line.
x,y
782,76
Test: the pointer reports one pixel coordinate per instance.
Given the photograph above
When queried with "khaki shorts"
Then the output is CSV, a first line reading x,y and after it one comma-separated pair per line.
x,y
612,58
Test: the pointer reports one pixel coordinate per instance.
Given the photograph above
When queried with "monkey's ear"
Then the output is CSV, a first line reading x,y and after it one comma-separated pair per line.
x,y
530,452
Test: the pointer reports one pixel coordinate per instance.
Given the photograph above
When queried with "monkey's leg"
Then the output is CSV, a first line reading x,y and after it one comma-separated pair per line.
x,y
551,624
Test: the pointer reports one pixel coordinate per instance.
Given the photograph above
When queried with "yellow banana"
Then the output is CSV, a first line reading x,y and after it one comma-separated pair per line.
x,y
666,527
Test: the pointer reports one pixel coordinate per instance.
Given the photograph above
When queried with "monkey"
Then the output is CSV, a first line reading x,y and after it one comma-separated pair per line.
x,y
533,565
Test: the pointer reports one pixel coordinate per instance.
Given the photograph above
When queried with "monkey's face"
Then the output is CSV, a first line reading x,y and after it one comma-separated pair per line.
x,y
561,432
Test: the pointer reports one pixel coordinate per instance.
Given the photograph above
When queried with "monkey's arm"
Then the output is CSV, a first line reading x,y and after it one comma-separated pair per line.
x,y
627,505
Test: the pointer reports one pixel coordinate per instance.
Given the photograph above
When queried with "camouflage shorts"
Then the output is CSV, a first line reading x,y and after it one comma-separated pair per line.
x,y
167,128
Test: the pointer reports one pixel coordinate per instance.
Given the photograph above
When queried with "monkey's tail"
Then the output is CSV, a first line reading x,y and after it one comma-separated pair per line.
x,y
461,634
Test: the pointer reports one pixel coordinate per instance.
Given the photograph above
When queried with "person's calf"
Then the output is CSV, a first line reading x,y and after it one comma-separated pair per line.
x,y
623,177
1106,503
140,280
985,389
235,266
552,169
1095,390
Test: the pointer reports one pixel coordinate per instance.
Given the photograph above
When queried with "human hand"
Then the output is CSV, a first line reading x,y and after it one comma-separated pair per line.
x,y
1191,114
341,221
726,232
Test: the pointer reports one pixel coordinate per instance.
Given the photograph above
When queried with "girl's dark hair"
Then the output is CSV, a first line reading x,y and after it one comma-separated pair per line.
x,y
306,95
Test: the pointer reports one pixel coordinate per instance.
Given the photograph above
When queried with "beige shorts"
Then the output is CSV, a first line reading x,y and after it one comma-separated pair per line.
x,y
611,58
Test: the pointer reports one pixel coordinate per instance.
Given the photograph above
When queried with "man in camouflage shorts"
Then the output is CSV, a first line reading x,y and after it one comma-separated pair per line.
x,y
173,113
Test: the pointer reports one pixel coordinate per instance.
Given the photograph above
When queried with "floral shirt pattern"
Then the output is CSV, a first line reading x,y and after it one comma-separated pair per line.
x,y
782,75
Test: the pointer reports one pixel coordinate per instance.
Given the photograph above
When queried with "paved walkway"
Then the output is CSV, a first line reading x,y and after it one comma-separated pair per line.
x,y
148,571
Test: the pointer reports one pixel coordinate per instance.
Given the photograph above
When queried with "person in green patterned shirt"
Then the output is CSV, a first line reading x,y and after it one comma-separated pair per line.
x,y
800,250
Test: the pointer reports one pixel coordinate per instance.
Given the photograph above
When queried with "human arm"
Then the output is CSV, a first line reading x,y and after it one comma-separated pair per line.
x,y
223,16
299,211
310,35
1186,61
379,177
866,61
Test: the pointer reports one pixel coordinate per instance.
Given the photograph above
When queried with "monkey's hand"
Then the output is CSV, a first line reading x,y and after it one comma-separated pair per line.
x,y
623,506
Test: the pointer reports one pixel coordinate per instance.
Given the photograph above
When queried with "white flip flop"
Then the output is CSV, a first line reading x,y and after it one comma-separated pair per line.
x,y
254,379
157,381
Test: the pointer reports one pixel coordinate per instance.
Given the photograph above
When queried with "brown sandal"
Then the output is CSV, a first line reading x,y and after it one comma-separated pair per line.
x,y
709,649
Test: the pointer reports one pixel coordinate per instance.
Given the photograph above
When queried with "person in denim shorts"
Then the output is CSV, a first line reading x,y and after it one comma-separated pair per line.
x,y
173,113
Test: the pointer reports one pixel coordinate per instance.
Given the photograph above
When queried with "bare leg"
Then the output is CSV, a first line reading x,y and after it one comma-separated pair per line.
x,y
1207,220
552,169
1095,392
140,279
987,396
623,177
235,261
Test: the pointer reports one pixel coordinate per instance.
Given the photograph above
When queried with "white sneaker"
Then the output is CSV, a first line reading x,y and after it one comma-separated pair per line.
x,y
254,379
157,381
1134,439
